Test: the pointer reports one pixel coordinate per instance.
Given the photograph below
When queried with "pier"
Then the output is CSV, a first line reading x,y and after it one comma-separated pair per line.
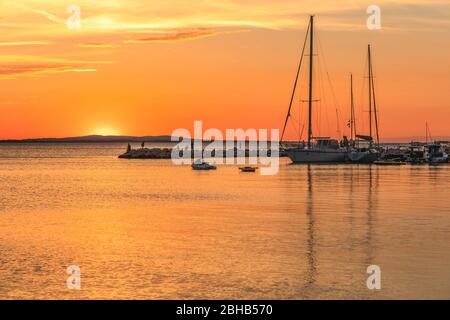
x,y
166,153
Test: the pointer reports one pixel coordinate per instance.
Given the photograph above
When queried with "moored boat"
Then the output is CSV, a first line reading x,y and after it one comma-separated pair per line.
x,y
322,151
366,156
248,169
361,147
416,154
317,150
436,154
202,165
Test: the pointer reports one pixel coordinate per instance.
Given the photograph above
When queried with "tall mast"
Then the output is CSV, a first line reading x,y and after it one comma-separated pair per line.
x,y
310,100
352,111
375,112
370,92
427,133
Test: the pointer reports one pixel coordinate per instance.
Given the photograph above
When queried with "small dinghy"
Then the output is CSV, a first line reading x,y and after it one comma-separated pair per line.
x,y
248,169
202,165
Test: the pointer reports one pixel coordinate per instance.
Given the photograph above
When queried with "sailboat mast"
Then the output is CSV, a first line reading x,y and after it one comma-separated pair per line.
x,y
375,112
352,111
428,136
311,49
370,92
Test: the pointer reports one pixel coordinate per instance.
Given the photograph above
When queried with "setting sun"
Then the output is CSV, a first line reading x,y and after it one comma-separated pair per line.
x,y
105,131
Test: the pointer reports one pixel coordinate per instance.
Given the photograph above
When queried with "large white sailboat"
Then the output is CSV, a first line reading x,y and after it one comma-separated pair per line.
x,y
317,150
322,151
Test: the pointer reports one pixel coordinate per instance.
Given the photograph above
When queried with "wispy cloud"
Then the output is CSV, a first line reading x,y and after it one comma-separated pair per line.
x,y
24,43
97,45
50,16
171,36
40,69
162,14
180,36
114,24
22,65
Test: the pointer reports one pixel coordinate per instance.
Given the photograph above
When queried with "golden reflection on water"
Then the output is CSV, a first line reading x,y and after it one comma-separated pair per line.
x,y
149,230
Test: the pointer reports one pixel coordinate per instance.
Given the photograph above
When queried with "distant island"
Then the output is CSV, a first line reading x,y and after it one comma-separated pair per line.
x,y
94,138
168,138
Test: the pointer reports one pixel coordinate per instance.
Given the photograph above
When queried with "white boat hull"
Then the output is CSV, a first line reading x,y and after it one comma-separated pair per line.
x,y
316,156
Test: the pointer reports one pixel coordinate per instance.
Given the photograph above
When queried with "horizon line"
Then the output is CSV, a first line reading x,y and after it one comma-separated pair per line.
x,y
85,138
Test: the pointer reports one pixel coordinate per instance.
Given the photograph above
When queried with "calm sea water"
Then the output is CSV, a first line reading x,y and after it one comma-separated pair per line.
x,y
146,229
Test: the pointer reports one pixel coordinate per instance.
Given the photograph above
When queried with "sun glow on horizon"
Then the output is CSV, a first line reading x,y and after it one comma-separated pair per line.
x,y
106,131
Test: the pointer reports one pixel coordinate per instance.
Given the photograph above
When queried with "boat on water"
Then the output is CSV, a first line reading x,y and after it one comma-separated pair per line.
x,y
417,154
202,165
317,150
436,154
324,150
362,155
248,169
361,147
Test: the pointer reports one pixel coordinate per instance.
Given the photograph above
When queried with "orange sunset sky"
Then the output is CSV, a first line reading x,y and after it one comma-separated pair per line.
x,y
149,67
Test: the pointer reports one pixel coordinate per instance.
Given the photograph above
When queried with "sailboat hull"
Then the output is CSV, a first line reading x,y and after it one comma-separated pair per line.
x,y
363,157
316,156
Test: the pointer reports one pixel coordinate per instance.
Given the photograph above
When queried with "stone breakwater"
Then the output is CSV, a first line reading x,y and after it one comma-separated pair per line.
x,y
146,153
166,153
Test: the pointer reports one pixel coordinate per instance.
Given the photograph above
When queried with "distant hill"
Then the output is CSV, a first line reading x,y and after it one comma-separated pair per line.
x,y
166,138
95,138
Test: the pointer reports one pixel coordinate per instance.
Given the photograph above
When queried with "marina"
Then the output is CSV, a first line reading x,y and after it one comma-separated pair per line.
x,y
327,150
412,153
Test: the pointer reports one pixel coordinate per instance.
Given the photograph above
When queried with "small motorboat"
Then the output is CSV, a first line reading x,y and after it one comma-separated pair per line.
x,y
202,165
436,154
248,169
391,162
417,154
